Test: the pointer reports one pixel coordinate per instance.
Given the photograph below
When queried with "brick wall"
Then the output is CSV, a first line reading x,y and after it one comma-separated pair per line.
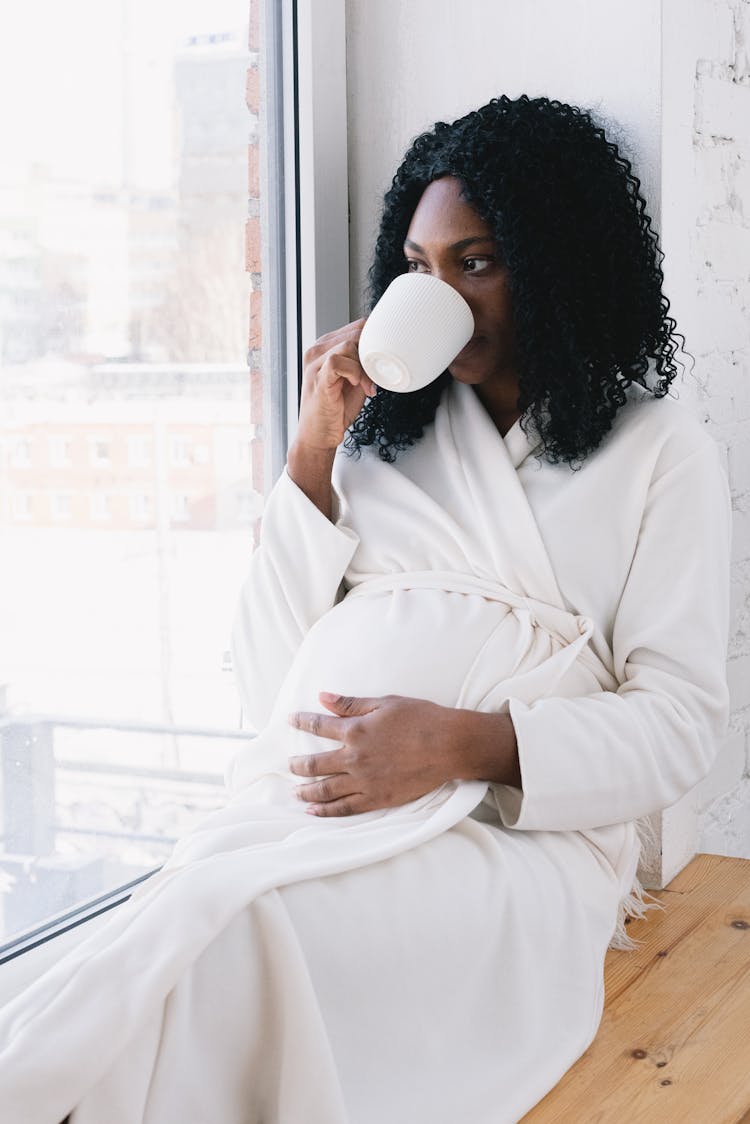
x,y
720,341
253,244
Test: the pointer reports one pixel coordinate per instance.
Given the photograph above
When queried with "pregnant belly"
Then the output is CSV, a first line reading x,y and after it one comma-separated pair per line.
x,y
420,642
451,648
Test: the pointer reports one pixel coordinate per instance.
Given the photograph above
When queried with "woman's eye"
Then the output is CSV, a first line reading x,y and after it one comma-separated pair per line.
x,y
477,265
414,267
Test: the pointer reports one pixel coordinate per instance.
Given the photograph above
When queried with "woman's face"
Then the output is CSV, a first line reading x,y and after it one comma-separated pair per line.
x,y
447,238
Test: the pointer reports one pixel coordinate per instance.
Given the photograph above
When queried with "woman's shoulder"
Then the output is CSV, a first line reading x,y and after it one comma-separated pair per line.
x,y
667,430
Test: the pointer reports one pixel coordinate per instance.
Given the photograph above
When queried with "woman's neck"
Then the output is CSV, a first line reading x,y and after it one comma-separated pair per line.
x,y
501,403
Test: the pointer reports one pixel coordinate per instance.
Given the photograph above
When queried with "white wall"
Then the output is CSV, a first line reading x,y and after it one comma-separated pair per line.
x,y
680,95
706,228
413,62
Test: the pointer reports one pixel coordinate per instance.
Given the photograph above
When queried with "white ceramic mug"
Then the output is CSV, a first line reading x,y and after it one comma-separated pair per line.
x,y
414,332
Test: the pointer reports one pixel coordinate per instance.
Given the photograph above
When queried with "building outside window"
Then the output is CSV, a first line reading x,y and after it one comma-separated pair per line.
x,y
135,250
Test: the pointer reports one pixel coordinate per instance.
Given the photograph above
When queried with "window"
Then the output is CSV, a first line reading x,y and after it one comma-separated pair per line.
x,y
141,507
60,454
22,506
157,277
62,504
20,456
99,452
139,451
180,452
180,512
100,506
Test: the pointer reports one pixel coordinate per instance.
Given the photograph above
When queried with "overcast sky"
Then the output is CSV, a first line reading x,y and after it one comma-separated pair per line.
x,y
61,82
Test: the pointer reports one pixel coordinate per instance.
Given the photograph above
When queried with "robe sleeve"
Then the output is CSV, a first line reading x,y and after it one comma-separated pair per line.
x,y
295,576
618,755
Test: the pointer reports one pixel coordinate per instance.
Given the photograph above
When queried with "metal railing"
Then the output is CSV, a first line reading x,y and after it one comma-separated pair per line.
x,y
49,891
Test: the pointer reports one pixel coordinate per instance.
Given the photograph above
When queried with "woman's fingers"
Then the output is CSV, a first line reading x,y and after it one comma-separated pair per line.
x,y
351,330
323,791
334,388
347,806
321,725
347,332
339,364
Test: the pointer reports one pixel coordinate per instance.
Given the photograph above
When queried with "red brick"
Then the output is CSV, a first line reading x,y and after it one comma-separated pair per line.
x,y
256,450
256,319
252,89
253,42
256,398
253,170
252,245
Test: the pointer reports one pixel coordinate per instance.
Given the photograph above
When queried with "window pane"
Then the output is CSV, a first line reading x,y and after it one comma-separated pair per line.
x,y
131,454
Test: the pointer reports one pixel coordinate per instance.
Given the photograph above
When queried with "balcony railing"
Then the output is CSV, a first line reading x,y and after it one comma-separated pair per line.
x,y
90,807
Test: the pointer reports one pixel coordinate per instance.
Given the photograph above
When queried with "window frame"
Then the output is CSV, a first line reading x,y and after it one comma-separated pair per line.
x,y
307,223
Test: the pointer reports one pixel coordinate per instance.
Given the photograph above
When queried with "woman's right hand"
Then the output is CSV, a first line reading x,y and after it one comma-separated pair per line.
x,y
334,388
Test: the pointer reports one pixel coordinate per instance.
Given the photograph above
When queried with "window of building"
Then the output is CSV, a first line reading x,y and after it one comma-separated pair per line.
x,y
100,452
60,452
179,452
143,242
20,456
22,506
180,507
141,507
100,506
62,505
139,451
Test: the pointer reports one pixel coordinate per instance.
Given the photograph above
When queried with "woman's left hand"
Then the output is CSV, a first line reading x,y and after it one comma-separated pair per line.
x,y
392,750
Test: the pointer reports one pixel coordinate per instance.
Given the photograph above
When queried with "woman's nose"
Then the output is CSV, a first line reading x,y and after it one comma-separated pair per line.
x,y
450,276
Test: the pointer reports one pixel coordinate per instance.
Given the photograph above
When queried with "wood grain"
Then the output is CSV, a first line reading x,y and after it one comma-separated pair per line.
x,y
674,1041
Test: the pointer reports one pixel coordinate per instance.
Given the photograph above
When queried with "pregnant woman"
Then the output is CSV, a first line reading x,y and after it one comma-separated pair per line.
x,y
484,633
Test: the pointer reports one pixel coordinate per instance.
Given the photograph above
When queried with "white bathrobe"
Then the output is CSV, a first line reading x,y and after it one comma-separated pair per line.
x,y
442,961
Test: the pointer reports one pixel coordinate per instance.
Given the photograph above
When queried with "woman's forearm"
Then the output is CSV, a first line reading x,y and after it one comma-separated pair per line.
x,y
311,469
485,747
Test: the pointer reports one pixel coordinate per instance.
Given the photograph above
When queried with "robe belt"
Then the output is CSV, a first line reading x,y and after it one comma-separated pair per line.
x,y
566,626
573,630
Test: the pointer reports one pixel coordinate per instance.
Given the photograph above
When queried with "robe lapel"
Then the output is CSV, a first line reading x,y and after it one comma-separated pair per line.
x,y
489,463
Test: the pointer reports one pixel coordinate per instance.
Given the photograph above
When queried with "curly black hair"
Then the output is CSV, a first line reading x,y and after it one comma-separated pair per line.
x,y
584,269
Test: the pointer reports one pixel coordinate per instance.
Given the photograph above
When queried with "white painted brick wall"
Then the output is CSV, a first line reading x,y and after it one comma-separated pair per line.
x,y
722,109
725,250
721,345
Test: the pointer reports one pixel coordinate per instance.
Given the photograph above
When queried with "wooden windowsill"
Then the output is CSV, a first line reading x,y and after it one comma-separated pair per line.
x,y
672,1045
